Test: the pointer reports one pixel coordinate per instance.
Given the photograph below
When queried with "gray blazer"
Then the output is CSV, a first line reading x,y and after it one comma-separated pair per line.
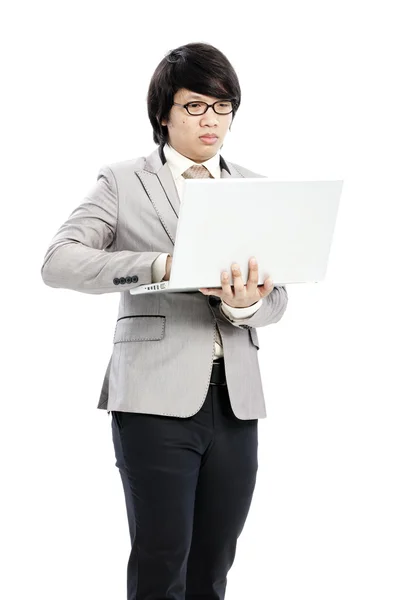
x,y
163,343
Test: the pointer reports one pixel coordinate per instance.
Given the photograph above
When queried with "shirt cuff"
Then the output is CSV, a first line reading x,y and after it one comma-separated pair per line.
x,y
237,314
159,268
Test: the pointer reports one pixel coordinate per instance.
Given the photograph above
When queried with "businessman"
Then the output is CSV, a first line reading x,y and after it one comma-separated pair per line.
x,y
183,383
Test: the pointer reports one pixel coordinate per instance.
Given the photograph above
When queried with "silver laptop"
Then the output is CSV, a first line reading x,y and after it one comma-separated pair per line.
x,y
287,225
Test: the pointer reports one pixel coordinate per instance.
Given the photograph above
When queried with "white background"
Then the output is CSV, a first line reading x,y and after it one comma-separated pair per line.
x,y
320,96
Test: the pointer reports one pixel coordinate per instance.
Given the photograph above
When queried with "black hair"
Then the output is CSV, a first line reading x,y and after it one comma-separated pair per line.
x,y
198,67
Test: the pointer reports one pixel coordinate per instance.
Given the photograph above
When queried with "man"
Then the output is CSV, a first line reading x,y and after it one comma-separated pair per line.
x,y
183,382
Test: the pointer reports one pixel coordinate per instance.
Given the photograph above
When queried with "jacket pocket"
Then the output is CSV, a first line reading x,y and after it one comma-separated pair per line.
x,y
254,337
140,328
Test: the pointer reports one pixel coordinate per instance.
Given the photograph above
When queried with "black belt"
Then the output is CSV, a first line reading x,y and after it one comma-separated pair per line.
x,y
218,372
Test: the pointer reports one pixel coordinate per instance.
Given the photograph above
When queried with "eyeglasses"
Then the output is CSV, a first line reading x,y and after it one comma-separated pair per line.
x,y
221,107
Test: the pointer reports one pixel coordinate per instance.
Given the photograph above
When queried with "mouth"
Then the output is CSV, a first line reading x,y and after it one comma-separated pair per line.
x,y
209,139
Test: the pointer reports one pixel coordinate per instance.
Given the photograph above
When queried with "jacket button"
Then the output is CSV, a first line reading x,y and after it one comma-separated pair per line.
x,y
129,280
122,280
135,278
116,281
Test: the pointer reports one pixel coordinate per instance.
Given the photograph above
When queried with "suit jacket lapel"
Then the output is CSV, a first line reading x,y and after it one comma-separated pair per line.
x,y
157,181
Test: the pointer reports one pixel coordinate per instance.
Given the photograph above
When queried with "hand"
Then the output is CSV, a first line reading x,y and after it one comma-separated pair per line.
x,y
240,295
168,269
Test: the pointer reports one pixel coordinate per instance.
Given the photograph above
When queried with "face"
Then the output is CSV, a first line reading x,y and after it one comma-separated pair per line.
x,y
185,130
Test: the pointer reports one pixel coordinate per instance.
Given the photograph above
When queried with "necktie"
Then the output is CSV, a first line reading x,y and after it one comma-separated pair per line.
x,y
201,172
197,172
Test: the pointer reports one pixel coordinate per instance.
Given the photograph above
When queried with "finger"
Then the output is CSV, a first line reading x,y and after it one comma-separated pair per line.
x,y
226,286
237,280
210,291
266,288
252,281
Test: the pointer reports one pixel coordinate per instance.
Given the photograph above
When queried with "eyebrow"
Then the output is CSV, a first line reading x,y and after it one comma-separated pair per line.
x,y
198,97
195,97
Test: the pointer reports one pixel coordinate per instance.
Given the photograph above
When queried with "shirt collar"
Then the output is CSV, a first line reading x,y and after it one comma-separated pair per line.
x,y
179,163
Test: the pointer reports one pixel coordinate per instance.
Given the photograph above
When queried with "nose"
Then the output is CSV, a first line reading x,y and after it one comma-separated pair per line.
x,y
210,116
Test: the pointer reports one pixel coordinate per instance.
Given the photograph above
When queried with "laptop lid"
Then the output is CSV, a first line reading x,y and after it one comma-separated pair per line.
x,y
287,225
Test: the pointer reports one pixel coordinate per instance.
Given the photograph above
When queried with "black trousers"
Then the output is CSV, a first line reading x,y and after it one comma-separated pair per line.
x,y
188,485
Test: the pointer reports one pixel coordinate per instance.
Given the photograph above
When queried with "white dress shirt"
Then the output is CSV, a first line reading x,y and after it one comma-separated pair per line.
x,y
178,165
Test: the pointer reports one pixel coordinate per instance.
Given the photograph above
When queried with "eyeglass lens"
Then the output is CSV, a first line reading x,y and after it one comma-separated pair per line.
x,y
198,108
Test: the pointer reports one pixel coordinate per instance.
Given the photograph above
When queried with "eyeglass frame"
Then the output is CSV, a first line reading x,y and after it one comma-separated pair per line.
x,y
233,100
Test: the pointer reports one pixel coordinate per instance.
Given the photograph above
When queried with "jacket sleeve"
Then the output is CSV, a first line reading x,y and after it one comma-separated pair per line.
x,y
79,256
271,310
